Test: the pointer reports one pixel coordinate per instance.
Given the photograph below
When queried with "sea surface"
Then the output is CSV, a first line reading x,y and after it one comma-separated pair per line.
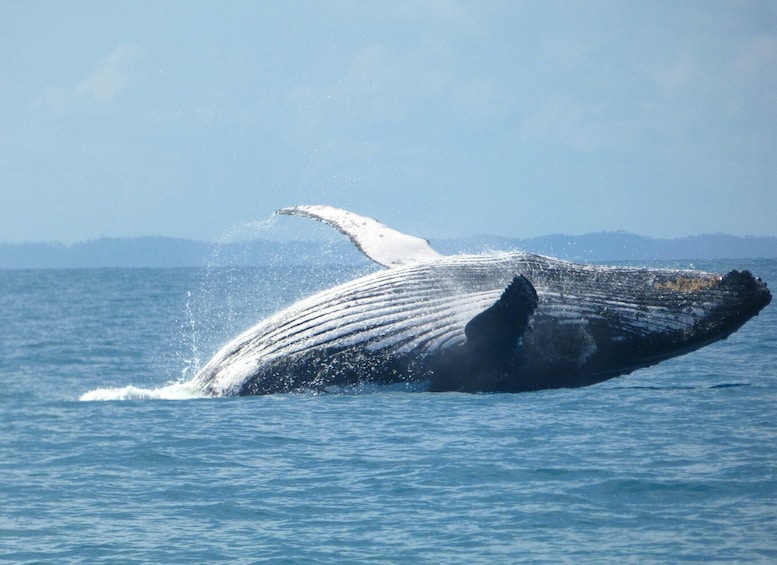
x,y
675,463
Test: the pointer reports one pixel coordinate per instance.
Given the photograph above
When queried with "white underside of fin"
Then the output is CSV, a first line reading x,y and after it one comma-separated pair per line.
x,y
380,243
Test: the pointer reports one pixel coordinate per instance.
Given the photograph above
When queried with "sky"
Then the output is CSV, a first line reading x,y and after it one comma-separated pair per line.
x,y
440,118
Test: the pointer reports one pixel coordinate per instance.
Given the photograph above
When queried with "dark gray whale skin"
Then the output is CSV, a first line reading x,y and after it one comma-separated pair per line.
x,y
506,322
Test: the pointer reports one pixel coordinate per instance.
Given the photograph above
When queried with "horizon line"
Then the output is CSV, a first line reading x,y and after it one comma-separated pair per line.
x,y
58,243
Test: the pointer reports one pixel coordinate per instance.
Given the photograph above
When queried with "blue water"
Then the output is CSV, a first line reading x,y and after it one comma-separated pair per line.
x,y
674,463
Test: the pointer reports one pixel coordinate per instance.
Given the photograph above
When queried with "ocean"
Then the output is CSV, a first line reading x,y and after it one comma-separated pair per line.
x,y
674,463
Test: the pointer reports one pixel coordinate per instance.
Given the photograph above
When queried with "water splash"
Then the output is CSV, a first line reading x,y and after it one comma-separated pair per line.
x,y
238,287
218,301
176,391
190,334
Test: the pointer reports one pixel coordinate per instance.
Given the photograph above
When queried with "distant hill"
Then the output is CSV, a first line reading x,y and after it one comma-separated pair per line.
x,y
623,246
165,252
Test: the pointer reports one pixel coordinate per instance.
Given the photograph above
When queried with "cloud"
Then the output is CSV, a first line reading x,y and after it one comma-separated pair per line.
x,y
113,74
378,86
731,86
448,13
755,66
385,86
567,121
678,77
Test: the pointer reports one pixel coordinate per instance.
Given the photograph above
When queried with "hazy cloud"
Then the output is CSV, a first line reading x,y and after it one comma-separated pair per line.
x,y
565,120
678,76
447,13
756,68
379,86
113,74
385,85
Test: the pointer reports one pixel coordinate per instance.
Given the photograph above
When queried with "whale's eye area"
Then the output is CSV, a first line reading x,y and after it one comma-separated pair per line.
x,y
682,283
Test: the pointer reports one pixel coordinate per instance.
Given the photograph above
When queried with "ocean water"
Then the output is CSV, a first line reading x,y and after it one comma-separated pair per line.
x,y
675,463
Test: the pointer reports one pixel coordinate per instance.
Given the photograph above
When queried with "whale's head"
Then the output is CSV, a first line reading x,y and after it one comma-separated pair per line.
x,y
705,308
626,319
686,310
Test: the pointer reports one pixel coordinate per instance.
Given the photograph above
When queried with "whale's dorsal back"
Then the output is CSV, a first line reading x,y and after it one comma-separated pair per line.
x,y
380,243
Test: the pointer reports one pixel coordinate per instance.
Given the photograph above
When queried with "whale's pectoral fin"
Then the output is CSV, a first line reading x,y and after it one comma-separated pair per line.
x,y
499,328
381,244
482,363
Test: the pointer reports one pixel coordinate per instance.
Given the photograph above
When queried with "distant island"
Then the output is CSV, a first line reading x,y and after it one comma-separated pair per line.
x,y
167,252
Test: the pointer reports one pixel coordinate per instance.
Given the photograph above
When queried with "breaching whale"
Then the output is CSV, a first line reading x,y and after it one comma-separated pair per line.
x,y
500,322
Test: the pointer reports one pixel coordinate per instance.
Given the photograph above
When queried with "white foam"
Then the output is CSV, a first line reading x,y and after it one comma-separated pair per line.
x,y
177,391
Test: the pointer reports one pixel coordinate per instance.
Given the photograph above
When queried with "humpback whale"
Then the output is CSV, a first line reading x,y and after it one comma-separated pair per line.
x,y
498,322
